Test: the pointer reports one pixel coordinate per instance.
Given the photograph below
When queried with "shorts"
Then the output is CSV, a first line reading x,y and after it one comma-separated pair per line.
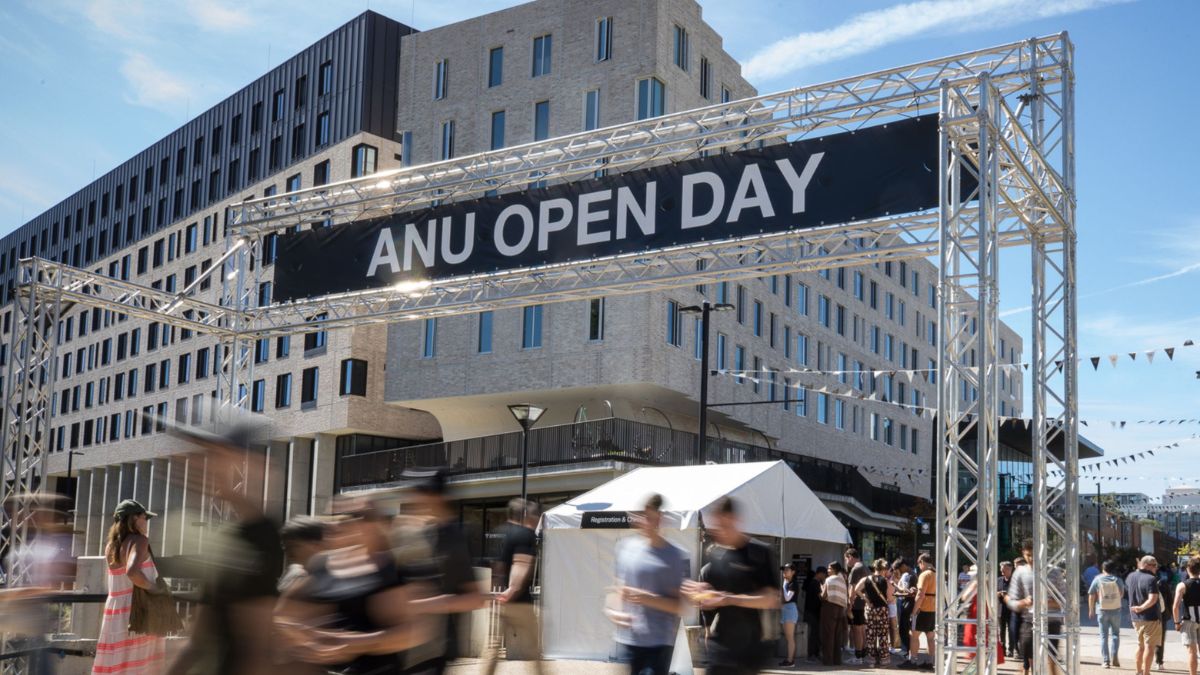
x,y
789,613
858,613
1191,633
926,622
1149,633
892,611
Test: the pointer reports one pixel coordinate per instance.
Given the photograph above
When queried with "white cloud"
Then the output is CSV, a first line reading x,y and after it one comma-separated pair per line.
x,y
216,17
868,31
153,86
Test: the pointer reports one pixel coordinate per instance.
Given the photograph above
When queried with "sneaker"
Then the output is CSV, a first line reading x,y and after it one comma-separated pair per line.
x,y
1161,668
1116,663
786,664
1106,664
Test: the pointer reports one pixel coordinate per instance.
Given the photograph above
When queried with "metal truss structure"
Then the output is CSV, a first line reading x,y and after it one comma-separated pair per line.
x,y
1007,180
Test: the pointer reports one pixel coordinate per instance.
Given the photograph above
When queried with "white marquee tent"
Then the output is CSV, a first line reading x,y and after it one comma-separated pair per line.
x,y
578,561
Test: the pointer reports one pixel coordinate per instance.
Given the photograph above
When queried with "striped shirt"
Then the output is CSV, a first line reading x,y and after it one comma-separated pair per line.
x,y
836,590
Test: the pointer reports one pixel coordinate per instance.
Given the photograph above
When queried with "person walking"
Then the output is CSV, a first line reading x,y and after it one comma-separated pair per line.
x,y
1014,618
835,601
1007,638
876,594
789,611
518,555
812,612
740,586
130,564
650,572
1104,605
1166,591
1142,588
1186,611
1020,600
856,571
924,620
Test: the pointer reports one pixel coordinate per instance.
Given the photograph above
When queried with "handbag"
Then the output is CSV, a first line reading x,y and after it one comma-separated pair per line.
x,y
154,613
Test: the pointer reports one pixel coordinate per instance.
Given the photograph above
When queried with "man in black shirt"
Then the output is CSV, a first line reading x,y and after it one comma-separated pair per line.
x,y
740,586
812,612
522,630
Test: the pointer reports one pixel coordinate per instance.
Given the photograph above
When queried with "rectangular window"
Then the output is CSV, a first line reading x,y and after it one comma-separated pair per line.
x,y
596,319
283,346
496,67
322,129
308,387
353,378
758,319
283,390
299,141
542,47
674,324
321,173
217,132
680,47
235,130
823,311
739,363
802,299
258,396
364,160
652,96
315,340
721,343
823,408
705,78
301,91
483,342
541,120
802,349
325,79
531,327
604,39
447,140
429,340
256,115
497,140
439,79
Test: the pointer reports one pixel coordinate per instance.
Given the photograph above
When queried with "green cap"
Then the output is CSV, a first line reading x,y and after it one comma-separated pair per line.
x,y
130,507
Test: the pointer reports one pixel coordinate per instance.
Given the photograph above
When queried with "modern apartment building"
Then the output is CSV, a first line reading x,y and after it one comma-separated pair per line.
x,y
348,407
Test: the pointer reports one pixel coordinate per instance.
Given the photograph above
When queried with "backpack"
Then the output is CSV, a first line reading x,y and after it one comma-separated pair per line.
x,y
1110,593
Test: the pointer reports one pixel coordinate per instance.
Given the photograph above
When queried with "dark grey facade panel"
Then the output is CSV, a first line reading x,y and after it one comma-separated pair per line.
x,y
364,53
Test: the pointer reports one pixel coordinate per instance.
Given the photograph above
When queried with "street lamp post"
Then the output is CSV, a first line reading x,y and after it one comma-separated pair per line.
x,y
703,309
1099,550
526,415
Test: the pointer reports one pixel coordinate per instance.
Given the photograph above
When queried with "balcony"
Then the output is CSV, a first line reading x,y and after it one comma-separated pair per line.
x,y
607,440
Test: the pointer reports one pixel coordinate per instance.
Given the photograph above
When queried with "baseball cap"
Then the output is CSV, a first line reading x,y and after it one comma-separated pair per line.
x,y
130,507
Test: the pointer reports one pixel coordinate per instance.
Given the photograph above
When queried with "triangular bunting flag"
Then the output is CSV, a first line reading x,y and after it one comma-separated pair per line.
x,y
1112,358
1170,353
1133,356
1188,343
1122,424
1150,356
1095,362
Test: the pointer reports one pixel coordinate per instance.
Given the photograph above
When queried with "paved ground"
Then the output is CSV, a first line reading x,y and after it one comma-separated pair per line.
x,y
1175,661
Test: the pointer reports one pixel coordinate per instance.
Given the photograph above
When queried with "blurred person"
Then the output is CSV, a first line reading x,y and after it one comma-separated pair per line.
x,y
1090,574
1020,600
518,556
1014,618
650,572
856,571
789,614
964,577
812,612
1008,638
970,597
924,621
876,594
1104,605
302,538
354,613
130,564
1186,611
456,589
740,585
1166,591
893,577
1144,601
835,612
904,591
244,559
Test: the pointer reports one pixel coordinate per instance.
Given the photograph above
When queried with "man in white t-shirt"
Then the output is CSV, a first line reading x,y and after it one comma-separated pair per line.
x,y
1104,604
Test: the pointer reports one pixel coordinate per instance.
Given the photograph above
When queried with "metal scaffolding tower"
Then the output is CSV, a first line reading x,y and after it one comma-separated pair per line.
x,y
1006,175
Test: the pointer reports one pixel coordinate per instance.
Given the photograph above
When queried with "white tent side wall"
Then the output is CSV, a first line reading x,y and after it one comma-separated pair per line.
x,y
577,573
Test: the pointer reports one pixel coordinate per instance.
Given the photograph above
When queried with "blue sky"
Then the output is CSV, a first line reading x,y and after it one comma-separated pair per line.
x,y
88,83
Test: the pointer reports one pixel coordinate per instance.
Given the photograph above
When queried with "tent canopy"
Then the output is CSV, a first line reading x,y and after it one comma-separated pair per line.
x,y
774,501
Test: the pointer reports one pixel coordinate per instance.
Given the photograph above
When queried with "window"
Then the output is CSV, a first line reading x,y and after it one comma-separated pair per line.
x,y
823,311
758,319
322,129
541,120
721,342
275,153
217,132
651,99
325,79
283,390
258,396
483,342
447,140
301,91
531,327
197,152
591,110
298,141
439,79
235,130
802,299
680,51
604,39
429,341
353,378
364,160
321,173
705,78
541,55
802,349
308,387
283,346
596,309
185,368
674,324
315,340
497,141
262,350
823,408
739,363
256,115
496,67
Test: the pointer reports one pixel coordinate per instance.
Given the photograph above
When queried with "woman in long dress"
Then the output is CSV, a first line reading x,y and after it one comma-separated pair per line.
x,y
130,564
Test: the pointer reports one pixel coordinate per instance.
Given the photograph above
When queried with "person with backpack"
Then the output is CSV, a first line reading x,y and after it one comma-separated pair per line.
x,y
1186,609
1104,604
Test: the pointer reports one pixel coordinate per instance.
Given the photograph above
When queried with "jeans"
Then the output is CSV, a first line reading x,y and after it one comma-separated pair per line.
x,y
648,660
1110,633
